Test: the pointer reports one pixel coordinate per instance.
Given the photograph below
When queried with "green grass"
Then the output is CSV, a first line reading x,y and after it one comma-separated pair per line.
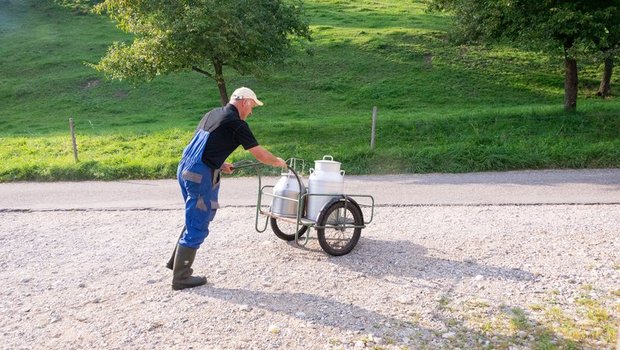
x,y
442,108
585,323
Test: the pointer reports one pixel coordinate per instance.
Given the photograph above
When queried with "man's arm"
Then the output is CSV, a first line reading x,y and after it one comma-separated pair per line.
x,y
265,157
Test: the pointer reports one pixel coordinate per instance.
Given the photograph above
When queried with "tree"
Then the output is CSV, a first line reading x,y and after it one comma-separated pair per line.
x,y
609,46
604,89
200,35
572,26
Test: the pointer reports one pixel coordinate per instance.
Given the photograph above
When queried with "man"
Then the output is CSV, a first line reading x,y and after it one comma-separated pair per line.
x,y
218,134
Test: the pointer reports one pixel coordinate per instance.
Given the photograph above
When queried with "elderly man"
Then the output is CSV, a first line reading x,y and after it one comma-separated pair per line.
x,y
218,134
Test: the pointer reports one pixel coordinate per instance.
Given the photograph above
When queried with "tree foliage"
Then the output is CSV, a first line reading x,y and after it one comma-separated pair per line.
x,y
200,35
545,23
576,27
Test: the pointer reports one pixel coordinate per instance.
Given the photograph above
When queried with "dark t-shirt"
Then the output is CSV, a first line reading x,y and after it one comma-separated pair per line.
x,y
230,132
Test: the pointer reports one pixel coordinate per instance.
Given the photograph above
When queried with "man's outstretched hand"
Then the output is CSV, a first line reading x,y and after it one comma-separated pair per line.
x,y
227,168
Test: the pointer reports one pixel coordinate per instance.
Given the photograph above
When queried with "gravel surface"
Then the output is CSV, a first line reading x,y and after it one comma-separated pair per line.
x,y
436,277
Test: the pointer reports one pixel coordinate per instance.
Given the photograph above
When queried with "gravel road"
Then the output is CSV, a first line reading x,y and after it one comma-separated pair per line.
x,y
449,261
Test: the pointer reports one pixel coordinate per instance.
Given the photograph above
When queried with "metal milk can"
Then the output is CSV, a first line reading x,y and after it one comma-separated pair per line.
x,y
326,179
288,187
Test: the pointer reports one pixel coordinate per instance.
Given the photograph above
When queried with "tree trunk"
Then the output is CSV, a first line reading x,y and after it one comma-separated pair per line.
x,y
219,79
570,83
605,88
221,83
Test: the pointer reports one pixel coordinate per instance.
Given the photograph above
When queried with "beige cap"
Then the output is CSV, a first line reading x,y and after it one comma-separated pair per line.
x,y
244,92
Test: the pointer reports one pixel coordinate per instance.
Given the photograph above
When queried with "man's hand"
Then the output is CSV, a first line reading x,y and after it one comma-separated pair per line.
x,y
227,168
281,163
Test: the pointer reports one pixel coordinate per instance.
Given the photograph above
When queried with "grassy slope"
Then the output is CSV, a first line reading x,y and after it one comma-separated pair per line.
x,y
441,107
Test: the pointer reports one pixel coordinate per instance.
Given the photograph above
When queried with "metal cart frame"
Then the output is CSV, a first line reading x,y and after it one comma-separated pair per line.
x,y
330,216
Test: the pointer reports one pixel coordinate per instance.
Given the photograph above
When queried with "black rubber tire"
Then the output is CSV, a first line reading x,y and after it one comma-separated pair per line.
x,y
353,211
283,235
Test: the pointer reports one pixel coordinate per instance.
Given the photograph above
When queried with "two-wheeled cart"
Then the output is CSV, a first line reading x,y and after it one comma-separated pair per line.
x,y
339,221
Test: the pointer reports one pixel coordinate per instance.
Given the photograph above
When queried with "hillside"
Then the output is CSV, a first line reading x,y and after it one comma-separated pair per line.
x,y
442,108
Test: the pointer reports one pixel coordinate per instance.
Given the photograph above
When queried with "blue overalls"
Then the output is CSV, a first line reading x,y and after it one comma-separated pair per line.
x,y
200,185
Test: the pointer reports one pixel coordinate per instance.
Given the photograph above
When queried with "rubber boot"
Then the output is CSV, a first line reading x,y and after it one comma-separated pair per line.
x,y
182,272
170,263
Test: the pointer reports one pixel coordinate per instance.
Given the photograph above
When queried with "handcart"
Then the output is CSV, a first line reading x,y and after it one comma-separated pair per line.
x,y
339,222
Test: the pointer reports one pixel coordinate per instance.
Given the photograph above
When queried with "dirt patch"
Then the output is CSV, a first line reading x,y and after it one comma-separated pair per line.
x,y
90,83
120,94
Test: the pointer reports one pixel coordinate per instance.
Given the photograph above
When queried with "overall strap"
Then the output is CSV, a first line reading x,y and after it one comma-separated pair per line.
x,y
212,121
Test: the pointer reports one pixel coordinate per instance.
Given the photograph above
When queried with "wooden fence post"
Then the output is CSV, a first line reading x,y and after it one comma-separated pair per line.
x,y
374,125
75,151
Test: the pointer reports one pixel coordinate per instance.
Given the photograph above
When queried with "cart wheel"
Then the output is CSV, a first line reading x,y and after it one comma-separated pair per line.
x,y
286,230
338,239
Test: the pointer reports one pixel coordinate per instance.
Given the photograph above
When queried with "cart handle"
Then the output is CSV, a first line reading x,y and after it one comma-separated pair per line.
x,y
244,164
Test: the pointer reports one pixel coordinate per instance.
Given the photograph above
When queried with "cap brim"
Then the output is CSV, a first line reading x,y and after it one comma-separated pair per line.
x,y
258,102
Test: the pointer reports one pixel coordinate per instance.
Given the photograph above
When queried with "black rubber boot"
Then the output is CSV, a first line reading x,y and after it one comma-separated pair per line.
x,y
182,272
170,263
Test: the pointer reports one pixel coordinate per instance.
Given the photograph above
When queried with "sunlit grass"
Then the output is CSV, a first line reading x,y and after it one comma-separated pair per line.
x,y
441,107
585,323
